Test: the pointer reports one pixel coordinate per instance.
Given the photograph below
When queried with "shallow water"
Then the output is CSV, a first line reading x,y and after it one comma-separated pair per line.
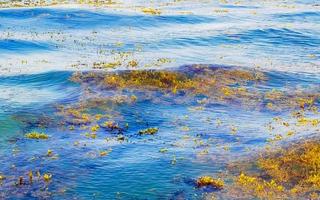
x,y
41,47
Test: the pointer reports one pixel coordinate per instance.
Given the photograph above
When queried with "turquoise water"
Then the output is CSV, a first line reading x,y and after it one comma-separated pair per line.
x,y
40,48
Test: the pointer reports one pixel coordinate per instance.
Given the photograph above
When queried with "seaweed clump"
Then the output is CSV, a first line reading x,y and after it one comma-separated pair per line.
x,y
224,85
149,131
292,172
75,116
151,11
218,83
148,79
36,135
209,181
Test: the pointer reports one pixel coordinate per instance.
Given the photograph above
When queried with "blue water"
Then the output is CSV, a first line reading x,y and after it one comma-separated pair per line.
x,y
17,46
40,46
84,19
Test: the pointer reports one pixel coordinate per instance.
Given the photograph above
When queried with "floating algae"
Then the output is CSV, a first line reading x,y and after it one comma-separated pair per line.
x,y
24,3
75,116
197,80
209,115
149,131
210,181
104,65
49,152
47,177
152,11
219,85
104,153
36,135
101,117
285,173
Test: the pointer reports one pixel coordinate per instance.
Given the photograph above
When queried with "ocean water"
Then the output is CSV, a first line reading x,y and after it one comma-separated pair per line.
x,y
40,48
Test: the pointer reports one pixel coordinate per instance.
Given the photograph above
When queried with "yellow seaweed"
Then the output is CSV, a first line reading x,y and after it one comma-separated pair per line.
x,y
36,135
151,11
210,181
149,131
47,177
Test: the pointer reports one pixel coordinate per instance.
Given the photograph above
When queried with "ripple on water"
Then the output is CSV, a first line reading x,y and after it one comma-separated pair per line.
x,y
22,46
